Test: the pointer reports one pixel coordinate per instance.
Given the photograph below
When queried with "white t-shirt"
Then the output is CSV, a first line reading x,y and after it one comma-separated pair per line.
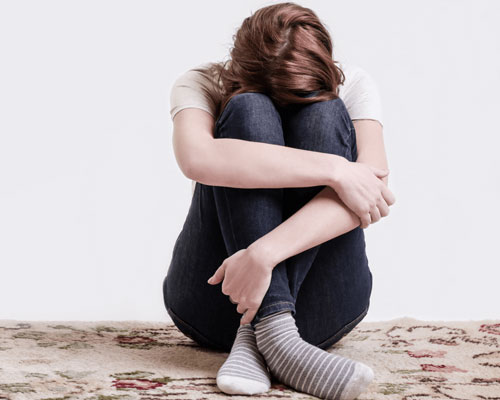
x,y
359,93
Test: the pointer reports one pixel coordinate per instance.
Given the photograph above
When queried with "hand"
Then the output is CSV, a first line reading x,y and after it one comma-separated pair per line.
x,y
246,276
361,189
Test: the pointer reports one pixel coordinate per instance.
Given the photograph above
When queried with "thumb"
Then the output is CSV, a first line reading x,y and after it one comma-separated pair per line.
x,y
380,172
218,276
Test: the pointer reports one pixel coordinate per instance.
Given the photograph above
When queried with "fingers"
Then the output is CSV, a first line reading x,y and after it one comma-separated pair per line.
x,y
218,276
248,310
389,197
241,308
365,220
375,214
225,288
383,208
248,316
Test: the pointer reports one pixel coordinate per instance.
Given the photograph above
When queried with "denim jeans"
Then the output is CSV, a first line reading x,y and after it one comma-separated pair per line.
x,y
327,288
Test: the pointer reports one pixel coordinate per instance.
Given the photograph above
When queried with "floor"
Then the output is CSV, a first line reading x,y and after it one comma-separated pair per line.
x,y
63,360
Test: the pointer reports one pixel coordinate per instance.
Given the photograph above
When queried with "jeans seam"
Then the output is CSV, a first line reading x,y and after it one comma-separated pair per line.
x,y
350,128
273,304
230,218
352,142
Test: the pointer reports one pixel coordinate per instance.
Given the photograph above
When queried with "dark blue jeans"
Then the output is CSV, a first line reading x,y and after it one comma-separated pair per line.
x,y
327,288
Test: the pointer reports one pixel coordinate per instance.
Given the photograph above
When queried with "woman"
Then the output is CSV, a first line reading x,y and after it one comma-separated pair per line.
x,y
286,179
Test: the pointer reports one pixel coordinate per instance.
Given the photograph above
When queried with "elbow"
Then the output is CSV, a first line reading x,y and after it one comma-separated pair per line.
x,y
191,168
198,166
195,161
188,160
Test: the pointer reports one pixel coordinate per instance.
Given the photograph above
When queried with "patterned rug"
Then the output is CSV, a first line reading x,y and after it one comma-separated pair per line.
x,y
136,360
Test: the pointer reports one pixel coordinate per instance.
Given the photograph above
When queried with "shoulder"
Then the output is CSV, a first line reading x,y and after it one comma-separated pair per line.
x,y
189,89
356,79
360,93
192,76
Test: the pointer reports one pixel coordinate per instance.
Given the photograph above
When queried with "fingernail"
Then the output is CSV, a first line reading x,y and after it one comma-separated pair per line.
x,y
210,279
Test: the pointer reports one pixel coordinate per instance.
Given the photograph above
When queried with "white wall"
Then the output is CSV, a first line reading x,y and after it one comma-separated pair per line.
x,y
91,198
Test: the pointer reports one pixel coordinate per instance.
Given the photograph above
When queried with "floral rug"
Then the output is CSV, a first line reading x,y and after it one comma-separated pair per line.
x,y
131,360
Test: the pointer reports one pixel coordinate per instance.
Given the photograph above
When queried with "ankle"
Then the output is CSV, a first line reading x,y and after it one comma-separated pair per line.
x,y
273,318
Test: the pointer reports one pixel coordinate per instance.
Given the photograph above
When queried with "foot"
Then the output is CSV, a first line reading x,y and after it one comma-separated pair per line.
x,y
244,371
305,367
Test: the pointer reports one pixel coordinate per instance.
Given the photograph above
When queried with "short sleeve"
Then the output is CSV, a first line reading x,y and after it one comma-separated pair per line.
x,y
360,94
187,92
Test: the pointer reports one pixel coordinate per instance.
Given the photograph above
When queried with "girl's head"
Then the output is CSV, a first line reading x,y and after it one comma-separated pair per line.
x,y
282,50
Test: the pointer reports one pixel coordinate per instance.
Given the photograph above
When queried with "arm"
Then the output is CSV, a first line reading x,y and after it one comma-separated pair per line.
x,y
245,164
325,216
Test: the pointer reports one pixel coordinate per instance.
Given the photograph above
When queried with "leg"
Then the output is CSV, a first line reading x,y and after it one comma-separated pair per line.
x,y
201,311
330,283
247,214
220,221
323,278
340,272
244,216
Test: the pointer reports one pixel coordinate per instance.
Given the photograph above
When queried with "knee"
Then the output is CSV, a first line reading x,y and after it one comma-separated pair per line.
x,y
205,327
334,109
327,125
196,328
250,116
333,113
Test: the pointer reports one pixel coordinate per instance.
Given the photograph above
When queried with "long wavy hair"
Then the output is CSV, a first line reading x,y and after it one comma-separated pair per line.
x,y
282,50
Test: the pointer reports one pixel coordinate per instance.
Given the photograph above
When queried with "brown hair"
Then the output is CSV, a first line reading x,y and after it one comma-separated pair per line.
x,y
282,50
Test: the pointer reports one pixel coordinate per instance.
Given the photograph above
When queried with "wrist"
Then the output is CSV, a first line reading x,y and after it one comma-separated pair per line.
x,y
335,171
262,250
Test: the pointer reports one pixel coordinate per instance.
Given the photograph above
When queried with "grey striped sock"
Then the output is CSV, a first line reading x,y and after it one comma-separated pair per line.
x,y
244,371
305,367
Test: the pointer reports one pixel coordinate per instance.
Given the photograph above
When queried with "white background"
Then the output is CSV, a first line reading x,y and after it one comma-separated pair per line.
x,y
92,200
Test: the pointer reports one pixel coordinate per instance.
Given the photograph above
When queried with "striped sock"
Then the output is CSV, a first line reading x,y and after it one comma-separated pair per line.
x,y
244,371
305,367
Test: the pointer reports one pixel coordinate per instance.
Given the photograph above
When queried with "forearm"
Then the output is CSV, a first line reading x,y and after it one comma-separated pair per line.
x,y
323,218
247,164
